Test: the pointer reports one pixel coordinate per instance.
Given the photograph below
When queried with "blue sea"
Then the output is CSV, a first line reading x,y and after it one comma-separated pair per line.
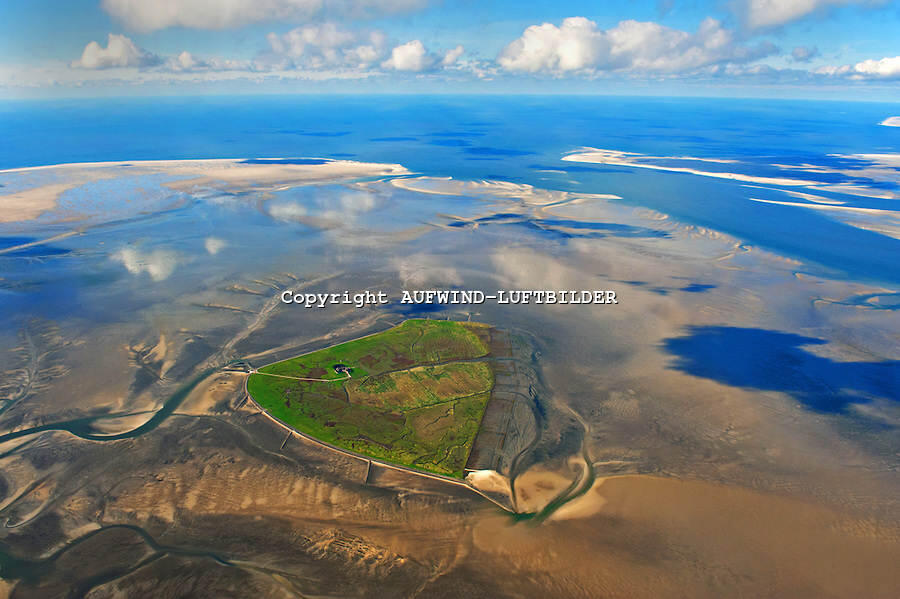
x,y
522,140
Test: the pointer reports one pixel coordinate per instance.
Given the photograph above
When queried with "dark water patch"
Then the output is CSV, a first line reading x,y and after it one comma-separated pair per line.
x,y
457,134
488,151
480,158
84,427
776,361
40,534
616,229
875,301
86,568
342,155
450,143
576,168
306,161
887,185
816,177
697,288
7,245
561,229
393,139
315,133
410,310
499,216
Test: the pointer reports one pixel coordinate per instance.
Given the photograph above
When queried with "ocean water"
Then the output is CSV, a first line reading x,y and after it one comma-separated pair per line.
x,y
522,140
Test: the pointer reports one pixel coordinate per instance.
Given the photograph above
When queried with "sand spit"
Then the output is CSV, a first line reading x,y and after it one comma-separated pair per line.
x,y
31,203
871,167
617,158
827,207
500,189
489,481
229,174
810,197
238,176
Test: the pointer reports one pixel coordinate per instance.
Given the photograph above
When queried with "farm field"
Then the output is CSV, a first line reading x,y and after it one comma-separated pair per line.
x,y
414,396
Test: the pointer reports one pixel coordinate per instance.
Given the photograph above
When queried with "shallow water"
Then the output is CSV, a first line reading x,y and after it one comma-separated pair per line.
x,y
754,345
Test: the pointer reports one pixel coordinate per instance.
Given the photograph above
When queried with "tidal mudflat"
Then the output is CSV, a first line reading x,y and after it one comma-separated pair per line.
x,y
728,427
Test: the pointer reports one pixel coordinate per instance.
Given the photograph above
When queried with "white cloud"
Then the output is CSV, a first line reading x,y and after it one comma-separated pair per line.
x,y
326,46
120,51
159,264
188,63
891,121
451,56
884,68
578,45
145,15
185,62
411,56
214,245
759,14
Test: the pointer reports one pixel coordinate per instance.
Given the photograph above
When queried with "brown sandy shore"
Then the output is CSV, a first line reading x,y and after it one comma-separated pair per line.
x,y
662,537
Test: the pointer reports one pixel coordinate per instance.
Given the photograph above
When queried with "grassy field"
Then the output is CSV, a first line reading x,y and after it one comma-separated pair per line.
x,y
416,396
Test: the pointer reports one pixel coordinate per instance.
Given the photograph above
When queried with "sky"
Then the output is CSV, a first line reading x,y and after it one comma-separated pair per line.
x,y
757,48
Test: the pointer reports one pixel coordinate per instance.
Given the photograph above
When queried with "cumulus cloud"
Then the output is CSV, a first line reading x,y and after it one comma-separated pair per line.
x,y
410,56
120,51
185,62
159,264
578,44
760,14
414,57
326,46
884,68
144,16
188,63
451,56
804,53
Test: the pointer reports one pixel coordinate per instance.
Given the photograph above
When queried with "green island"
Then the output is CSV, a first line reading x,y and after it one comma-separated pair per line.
x,y
413,395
